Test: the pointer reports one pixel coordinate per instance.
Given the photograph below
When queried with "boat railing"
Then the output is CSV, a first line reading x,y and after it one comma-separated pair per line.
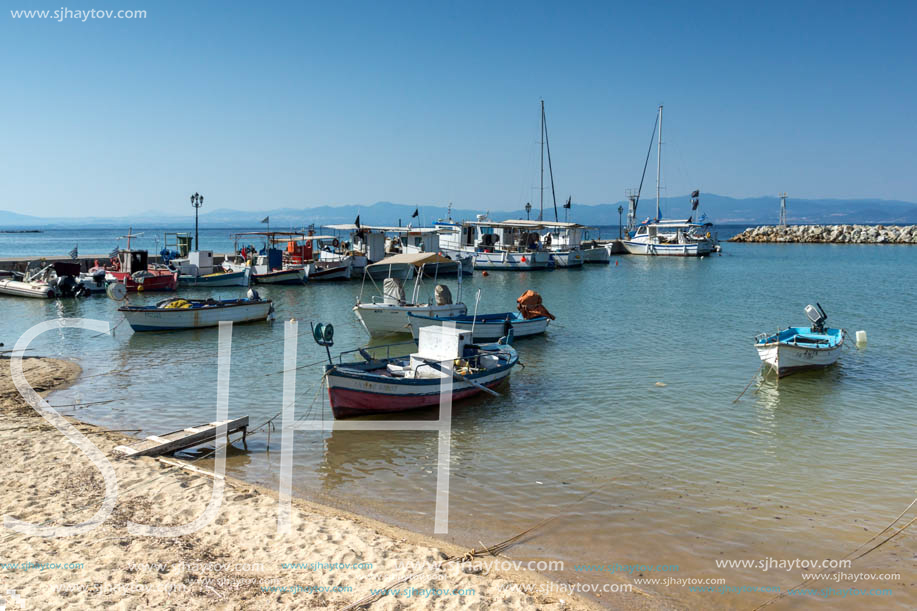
x,y
372,349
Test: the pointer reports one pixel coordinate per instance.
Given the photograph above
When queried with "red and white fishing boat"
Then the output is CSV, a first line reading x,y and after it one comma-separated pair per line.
x,y
130,268
379,386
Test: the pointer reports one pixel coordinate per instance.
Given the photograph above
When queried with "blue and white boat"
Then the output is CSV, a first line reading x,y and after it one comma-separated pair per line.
x,y
484,327
177,314
800,348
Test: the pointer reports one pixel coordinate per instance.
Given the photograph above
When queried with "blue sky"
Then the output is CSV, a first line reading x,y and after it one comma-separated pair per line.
x,y
263,106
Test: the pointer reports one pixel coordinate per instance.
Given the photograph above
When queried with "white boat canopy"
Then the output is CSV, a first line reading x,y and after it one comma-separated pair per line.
x,y
415,259
386,229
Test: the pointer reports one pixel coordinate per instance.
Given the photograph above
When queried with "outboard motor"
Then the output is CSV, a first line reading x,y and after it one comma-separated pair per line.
x,y
253,295
818,317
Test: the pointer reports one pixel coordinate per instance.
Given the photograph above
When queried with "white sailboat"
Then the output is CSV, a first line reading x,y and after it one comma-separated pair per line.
x,y
664,237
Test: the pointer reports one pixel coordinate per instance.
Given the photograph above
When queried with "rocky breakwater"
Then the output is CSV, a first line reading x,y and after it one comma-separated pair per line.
x,y
830,234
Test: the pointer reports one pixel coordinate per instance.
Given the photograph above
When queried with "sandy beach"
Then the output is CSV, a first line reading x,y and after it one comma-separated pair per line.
x,y
330,560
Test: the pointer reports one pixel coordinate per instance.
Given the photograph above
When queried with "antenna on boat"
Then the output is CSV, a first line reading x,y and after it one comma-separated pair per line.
x,y
324,336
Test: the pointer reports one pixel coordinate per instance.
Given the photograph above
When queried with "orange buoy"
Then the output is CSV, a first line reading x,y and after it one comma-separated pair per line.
x,y
484,273
616,263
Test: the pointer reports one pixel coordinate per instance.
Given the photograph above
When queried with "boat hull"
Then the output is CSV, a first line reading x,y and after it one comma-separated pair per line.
x,y
159,281
283,277
694,249
328,271
513,261
37,290
599,254
489,327
239,278
572,258
161,319
381,319
352,396
786,359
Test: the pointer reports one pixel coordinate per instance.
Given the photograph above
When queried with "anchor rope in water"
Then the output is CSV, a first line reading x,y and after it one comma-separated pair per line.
x,y
870,550
493,550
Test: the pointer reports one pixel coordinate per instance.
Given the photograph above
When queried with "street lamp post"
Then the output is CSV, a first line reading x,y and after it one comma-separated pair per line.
x,y
528,209
620,231
197,200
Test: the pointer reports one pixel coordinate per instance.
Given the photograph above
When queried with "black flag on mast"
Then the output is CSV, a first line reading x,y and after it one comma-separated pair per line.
x,y
357,222
694,200
416,213
567,205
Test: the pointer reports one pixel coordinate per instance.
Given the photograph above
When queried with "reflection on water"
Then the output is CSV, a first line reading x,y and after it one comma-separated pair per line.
x,y
623,420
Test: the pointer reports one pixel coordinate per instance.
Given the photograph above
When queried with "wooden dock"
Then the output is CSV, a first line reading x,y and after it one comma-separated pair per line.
x,y
169,443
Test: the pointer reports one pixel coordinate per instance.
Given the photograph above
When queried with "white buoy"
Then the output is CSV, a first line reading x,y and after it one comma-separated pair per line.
x,y
861,339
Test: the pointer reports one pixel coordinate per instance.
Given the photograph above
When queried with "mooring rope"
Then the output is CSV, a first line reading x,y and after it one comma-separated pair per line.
x,y
870,550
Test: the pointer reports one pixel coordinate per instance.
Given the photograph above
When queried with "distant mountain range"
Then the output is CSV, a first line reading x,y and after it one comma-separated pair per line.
x,y
719,209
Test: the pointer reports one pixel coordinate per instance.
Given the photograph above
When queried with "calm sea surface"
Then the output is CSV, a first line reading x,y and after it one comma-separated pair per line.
x,y
623,421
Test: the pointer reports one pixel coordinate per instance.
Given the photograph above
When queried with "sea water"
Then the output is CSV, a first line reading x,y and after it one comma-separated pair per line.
x,y
624,421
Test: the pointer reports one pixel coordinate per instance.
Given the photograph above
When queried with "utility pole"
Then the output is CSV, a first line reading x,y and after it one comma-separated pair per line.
x,y
783,210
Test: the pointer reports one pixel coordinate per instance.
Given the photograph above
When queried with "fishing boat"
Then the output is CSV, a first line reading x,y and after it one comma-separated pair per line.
x,y
333,269
391,385
386,314
133,269
94,280
197,269
496,245
177,314
531,319
666,237
484,327
800,348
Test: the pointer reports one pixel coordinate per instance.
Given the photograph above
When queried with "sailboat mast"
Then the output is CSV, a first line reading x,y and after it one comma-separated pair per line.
x,y
547,145
659,163
541,207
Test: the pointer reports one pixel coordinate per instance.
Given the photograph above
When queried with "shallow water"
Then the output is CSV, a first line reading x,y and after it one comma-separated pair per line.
x,y
623,420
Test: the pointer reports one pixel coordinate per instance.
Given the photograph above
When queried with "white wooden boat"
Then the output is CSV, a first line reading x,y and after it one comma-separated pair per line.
x,y
484,327
800,348
322,270
94,280
387,314
568,258
282,276
217,279
390,385
176,313
596,254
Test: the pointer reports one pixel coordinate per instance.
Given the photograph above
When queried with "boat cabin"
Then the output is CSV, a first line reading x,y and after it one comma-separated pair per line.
x,y
130,261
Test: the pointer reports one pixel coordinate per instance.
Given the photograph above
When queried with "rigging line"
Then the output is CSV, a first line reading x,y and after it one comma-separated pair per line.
x,y
875,547
647,162
547,143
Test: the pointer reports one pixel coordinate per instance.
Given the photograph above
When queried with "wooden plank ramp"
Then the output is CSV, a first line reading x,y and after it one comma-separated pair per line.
x,y
169,443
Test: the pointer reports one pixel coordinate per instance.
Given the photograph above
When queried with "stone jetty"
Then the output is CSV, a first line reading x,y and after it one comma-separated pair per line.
x,y
830,234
